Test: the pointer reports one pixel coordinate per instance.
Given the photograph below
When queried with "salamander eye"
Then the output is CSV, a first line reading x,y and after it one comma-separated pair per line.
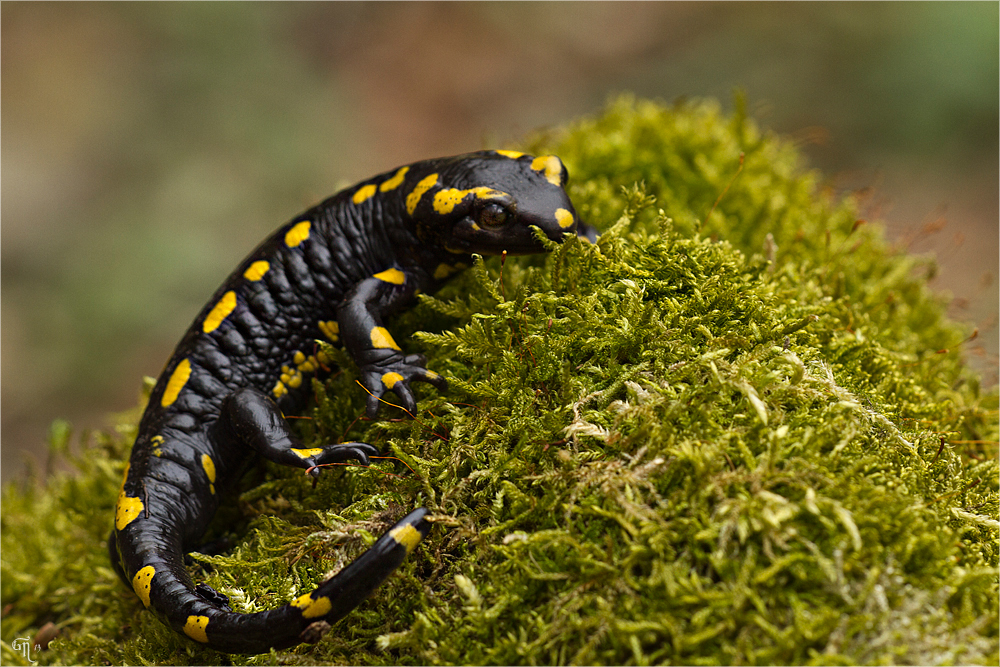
x,y
493,215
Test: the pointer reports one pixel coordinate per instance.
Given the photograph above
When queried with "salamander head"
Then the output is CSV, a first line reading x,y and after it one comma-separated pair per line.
x,y
487,202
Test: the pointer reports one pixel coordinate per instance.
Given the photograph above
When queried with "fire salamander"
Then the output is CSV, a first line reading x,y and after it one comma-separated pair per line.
x,y
337,272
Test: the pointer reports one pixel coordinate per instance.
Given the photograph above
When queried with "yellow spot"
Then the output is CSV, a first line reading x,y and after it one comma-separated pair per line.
x,y
423,186
330,329
446,200
209,465
564,218
382,339
157,440
309,365
431,374
141,583
312,608
297,234
406,535
390,379
279,389
488,193
176,382
195,628
364,193
551,166
256,270
513,155
221,311
127,509
306,453
394,276
395,181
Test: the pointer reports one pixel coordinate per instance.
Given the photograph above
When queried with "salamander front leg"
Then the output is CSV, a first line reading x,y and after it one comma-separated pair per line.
x,y
250,417
383,365
385,370
583,230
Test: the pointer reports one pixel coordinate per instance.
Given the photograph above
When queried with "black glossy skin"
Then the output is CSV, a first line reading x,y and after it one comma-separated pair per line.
x,y
248,357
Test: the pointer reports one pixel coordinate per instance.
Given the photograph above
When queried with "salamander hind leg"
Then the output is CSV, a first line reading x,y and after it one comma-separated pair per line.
x,y
251,418
213,597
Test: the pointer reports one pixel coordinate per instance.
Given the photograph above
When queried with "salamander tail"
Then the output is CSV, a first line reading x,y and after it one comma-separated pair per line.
x,y
204,615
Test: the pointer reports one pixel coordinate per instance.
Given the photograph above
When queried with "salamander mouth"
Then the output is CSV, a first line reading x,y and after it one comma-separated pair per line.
x,y
514,239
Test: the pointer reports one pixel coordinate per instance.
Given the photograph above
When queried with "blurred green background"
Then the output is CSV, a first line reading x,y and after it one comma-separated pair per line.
x,y
146,148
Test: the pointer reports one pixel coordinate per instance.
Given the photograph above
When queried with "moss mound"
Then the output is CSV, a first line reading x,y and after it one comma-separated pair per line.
x,y
738,429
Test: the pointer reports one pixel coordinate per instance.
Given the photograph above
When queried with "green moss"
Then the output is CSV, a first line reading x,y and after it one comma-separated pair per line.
x,y
728,433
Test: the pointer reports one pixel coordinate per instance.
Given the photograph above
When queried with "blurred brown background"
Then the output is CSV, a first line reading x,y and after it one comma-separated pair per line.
x,y
148,147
